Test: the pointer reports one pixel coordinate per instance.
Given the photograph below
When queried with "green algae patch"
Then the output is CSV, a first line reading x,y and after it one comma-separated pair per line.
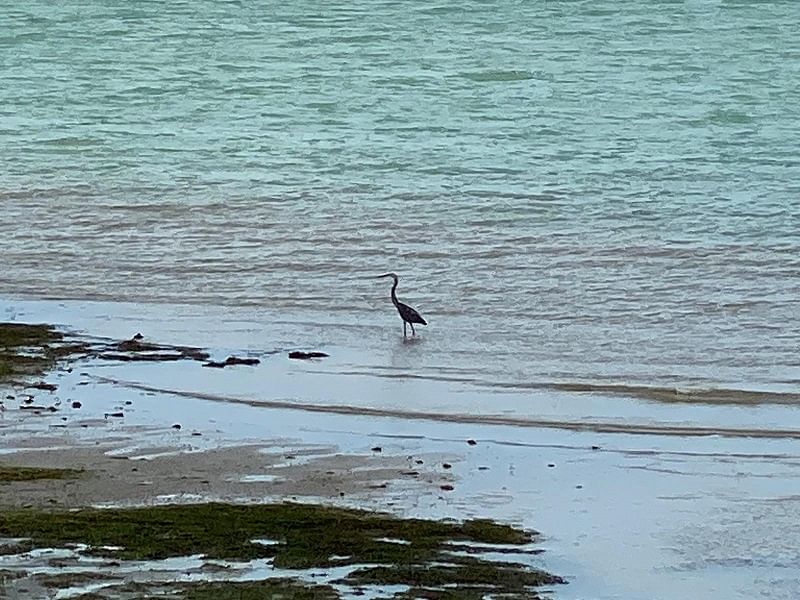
x,y
285,589
26,349
379,549
478,577
11,474
16,335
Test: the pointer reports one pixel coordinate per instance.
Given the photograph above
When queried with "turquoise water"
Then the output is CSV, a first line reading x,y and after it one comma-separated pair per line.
x,y
596,191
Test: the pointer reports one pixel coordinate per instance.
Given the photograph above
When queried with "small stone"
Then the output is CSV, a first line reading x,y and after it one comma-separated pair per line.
x,y
471,442
76,404
41,385
419,461
595,447
551,465
138,336
377,449
446,487
235,360
447,466
483,468
578,487
176,426
297,355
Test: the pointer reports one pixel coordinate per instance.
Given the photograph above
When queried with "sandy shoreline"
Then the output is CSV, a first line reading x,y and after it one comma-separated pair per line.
x,y
672,512
119,476
58,461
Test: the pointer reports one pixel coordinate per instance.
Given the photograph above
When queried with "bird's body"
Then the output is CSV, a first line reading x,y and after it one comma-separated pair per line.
x,y
408,314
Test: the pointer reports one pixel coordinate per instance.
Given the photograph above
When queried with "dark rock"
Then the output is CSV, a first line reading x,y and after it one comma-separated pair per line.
x,y
595,447
447,487
114,414
376,449
305,355
176,426
50,387
551,465
471,442
232,360
138,336
235,360
447,466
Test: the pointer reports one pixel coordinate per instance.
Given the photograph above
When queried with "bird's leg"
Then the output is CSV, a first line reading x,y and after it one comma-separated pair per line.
x,y
414,333
404,329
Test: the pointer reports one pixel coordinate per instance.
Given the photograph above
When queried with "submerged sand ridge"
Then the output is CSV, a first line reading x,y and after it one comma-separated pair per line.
x,y
597,426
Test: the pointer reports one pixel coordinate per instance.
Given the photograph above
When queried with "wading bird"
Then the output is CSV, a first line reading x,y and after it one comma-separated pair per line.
x,y
408,314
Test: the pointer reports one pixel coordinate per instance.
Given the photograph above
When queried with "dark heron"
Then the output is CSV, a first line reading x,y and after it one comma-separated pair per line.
x,y
408,314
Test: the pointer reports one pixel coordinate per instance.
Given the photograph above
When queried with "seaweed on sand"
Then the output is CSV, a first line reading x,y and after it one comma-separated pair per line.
x,y
381,549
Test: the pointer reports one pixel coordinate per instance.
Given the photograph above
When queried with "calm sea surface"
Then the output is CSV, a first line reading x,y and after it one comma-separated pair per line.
x,y
580,191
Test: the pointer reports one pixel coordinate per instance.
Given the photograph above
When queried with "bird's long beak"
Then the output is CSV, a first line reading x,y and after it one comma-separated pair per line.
x,y
385,275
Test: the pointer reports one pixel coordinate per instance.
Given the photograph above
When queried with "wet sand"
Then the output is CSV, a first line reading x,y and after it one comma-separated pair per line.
x,y
119,475
694,501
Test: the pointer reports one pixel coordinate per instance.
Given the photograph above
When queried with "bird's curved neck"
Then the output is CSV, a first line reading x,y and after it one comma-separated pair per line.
x,y
394,295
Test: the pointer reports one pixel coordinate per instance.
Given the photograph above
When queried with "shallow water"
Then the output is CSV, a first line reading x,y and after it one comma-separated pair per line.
x,y
570,191
623,517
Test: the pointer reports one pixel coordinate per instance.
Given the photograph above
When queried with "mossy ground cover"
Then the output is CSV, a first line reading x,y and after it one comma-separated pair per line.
x,y
26,349
303,536
10,474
